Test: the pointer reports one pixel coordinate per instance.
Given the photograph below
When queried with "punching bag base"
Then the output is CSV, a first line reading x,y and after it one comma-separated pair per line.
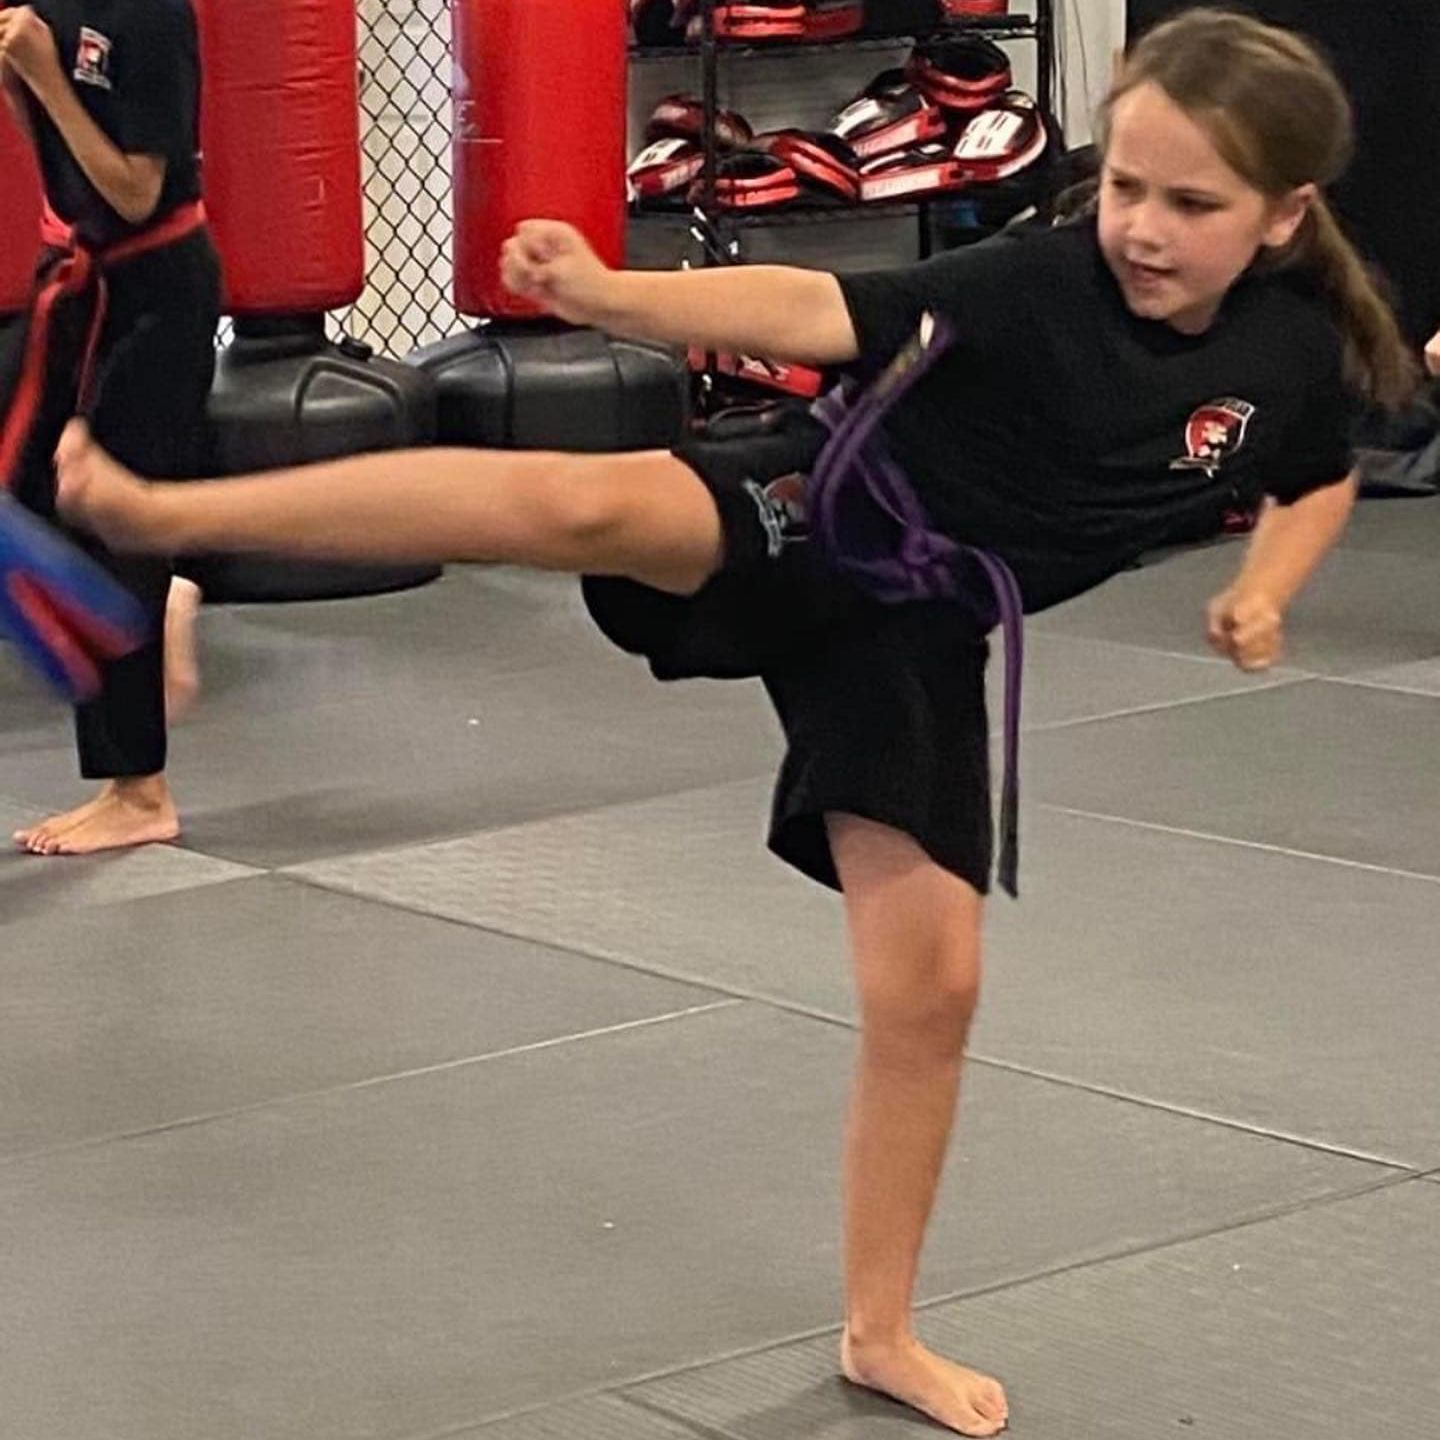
x,y
279,401
544,385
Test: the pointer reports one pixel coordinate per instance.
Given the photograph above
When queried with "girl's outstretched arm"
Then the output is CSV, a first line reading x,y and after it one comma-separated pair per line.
x,y
780,312
1245,622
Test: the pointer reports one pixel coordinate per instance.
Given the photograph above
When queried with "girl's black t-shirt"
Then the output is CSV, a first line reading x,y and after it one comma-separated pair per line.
x,y
135,64
1069,435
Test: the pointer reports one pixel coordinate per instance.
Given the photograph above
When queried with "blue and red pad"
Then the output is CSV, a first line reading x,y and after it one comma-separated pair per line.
x,y
60,610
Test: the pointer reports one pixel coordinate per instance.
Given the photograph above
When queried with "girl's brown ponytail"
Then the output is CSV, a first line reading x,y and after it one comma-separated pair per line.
x,y
1378,360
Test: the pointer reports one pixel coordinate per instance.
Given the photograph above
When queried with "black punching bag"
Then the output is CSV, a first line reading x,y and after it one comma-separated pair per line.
x,y
1388,55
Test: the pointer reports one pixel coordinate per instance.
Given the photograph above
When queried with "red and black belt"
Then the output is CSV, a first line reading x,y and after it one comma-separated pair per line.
x,y
80,270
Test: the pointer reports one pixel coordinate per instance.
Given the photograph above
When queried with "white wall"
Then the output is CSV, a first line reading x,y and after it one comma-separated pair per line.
x,y
1091,31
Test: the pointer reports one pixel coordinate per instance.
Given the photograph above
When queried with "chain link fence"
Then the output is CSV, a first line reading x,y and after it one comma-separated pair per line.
x,y
405,134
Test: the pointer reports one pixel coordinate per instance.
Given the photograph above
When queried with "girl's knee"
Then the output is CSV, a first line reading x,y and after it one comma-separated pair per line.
x,y
582,507
915,932
644,515
926,1005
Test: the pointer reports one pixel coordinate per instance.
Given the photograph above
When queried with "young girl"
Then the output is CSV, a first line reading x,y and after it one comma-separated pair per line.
x,y
1111,385
123,322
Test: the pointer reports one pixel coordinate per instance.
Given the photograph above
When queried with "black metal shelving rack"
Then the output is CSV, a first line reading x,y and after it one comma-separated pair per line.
x,y
1037,25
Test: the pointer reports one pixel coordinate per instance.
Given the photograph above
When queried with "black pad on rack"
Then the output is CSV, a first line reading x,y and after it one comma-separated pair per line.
x,y
654,22
902,17
664,168
963,74
834,19
753,20
968,9
750,180
888,114
817,158
904,174
684,116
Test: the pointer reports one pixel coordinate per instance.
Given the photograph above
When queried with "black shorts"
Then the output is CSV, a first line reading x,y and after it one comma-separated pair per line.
x,y
883,706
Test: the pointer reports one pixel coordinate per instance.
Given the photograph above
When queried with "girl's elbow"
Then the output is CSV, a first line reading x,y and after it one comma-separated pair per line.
x,y
141,196
140,209
137,211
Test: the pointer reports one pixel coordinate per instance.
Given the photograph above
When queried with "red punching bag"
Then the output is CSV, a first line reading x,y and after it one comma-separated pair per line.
x,y
539,133
19,215
281,138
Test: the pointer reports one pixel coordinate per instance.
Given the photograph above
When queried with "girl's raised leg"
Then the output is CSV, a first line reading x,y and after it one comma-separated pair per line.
x,y
645,515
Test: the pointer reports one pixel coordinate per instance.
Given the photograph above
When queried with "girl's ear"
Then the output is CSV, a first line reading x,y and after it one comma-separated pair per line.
x,y
1286,216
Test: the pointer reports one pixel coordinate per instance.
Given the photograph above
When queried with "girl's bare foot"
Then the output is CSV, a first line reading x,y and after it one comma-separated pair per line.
x,y
964,1400
139,811
182,664
98,493
56,823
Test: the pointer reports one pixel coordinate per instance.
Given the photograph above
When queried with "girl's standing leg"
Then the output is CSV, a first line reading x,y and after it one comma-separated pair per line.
x,y
915,934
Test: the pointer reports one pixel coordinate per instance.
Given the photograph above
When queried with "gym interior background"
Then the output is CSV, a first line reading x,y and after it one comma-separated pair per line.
x,y
468,1072
405,100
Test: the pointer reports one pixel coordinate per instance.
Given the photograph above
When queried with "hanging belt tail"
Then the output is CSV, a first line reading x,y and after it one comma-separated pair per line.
x,y
924,567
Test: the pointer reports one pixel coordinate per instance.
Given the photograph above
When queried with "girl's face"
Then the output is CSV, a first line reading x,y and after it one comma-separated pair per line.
x,y
1178,226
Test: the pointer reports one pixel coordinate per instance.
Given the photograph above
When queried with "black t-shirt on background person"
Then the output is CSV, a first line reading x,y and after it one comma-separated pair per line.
x,y
1069,435
135,64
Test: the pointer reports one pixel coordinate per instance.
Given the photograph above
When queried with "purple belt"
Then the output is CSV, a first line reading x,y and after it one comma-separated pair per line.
x,y
860,541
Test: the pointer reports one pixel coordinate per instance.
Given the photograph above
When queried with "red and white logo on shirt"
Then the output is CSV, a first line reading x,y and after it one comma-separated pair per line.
x,y
1213,434
92,59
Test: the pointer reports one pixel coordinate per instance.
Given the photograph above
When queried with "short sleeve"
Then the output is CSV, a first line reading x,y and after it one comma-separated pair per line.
x,y
967,286
1318,449
159,81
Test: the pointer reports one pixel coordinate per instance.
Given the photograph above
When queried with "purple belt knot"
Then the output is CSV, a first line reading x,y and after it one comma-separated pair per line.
x,y
859,498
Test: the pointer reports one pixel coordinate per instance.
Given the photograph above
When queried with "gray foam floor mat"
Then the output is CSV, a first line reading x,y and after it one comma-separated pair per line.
x,y
1254,1334
1257,1025
174,1007
513,1110
602,1417
396,1257
1338,777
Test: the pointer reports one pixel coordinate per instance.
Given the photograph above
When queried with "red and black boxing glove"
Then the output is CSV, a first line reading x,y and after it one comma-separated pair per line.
x,y
889,114
747,19
821,161
834,19
926,169
965,9
1003,140
665,168
750,180
960,75
683,117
